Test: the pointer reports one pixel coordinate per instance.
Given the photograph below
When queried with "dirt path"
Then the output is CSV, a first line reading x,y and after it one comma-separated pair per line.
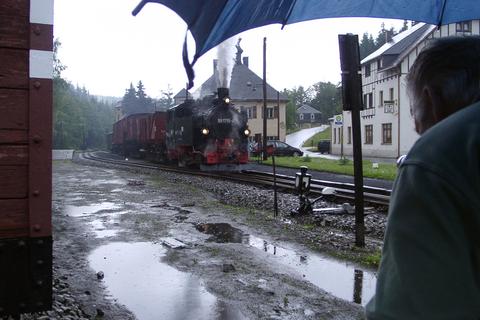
x,y
109,230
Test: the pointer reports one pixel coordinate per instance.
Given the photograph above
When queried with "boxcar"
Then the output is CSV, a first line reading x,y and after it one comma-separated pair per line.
x,y
26,40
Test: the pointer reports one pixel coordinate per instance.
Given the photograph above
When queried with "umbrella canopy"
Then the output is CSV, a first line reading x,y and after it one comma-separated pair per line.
x,y
213,21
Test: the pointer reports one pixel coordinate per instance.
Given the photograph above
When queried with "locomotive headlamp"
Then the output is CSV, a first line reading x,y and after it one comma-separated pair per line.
x,y
205,131
246,132
226,100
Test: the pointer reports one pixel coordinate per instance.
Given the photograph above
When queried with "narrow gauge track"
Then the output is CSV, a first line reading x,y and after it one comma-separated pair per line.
x,y
373,195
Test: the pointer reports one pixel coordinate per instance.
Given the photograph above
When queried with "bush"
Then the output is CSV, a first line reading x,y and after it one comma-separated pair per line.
x,y
307,159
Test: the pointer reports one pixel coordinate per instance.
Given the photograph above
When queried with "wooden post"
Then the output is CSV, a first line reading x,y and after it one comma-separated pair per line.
x,y
264,149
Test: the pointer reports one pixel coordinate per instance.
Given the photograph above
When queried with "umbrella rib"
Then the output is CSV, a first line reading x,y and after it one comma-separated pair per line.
x,y
440,19
288,14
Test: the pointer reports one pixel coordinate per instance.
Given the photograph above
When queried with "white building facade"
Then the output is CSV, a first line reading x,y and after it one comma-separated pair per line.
x,y
386,124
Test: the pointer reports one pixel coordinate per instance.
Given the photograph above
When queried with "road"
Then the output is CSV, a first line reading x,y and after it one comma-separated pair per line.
x,y
296,140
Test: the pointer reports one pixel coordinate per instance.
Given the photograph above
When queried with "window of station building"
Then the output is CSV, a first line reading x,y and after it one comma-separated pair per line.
x,y
269,113
464,26
252,112
349,135
367,70
391,94
380,98
370,100
386,133
334,135
379,64
369,134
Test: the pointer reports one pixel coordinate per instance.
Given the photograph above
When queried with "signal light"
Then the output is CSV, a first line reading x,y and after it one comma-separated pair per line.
x,y
246,132
205,131
226,100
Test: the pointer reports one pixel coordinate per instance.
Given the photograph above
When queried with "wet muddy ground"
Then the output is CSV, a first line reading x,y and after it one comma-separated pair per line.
x,y
132,245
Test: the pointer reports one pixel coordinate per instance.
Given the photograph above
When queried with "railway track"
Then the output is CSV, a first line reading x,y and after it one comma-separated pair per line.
x,y
373,195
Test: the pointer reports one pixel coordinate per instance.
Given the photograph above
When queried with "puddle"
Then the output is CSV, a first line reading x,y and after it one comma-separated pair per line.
x,y
80,211
101,231
339,278
136,277
223,233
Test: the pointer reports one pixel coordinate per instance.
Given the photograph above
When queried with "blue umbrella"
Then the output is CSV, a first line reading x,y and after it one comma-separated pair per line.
x,y
213,21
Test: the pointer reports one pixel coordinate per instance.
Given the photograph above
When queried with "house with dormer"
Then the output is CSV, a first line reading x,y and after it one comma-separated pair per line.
x,y
246,93
307,116
386,124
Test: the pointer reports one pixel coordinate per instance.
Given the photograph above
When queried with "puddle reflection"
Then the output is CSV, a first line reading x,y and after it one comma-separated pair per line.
x,y
339,278
135,275
79,211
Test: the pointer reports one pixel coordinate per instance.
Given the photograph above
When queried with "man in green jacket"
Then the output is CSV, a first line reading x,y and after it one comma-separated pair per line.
x,y
430,266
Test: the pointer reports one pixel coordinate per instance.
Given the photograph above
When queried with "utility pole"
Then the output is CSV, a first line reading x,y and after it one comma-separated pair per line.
x,y
278,115
264,149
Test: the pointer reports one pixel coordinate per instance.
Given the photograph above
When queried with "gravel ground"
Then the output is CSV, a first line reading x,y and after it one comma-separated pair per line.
x,y
329,234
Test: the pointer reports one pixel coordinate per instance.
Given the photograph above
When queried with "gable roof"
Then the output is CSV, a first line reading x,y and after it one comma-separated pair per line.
x,y
245,85
182,94
399,44
305,108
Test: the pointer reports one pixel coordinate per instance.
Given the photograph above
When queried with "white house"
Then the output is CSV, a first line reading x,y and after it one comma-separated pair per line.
x,y
386,124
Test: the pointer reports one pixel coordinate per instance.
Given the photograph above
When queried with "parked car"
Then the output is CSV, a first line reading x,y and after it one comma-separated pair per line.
x,y
324,146
281,149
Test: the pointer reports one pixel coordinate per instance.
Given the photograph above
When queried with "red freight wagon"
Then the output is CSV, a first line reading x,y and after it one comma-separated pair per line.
x,y
26,41
135,134
156,136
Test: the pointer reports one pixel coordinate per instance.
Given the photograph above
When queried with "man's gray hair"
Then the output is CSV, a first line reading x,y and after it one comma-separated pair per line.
x,y
450,68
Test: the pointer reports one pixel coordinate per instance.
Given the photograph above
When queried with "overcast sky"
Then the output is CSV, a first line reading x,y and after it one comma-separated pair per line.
x,y
105,48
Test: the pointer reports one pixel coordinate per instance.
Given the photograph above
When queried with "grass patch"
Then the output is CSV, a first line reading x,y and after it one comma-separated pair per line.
x,y
373,259
385,171
313,141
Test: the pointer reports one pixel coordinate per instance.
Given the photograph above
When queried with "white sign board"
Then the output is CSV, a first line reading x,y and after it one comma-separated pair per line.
x,y
62,154
338,120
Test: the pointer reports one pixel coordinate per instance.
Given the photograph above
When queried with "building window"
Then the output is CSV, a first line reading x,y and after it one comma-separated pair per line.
x,y
334,135
369,134
252,112
391,94
269,113
379,64
269,138
367,70
370,100
312,116
340,135
380,98
386,133
464,26
301,116
349,135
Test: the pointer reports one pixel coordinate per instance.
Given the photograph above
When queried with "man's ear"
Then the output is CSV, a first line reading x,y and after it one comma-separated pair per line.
x,y
433,106
424,114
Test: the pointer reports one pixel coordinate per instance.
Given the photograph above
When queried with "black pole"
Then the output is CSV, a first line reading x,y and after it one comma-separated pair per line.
x,y
352,101
358,178
275,199
357,286
278,115
264,147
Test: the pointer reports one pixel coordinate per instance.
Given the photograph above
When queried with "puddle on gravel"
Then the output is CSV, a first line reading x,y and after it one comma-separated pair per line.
x,y
136,277
101,231
79,211
339,278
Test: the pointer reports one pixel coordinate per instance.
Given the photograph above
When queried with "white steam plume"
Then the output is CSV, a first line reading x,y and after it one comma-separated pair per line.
x,y
226,54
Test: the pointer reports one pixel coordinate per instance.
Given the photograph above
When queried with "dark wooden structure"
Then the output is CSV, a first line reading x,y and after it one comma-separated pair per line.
x,y
26,40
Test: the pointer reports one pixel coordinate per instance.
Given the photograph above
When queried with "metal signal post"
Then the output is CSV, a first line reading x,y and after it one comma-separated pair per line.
x,y
352,101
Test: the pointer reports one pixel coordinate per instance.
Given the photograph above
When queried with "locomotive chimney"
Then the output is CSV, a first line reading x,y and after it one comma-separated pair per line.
x,y
222,93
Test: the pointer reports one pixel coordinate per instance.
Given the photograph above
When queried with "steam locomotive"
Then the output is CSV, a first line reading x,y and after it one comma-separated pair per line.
x,y
208,133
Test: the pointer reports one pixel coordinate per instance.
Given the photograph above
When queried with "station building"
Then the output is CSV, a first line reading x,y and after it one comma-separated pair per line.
x,y
386,124
246,93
